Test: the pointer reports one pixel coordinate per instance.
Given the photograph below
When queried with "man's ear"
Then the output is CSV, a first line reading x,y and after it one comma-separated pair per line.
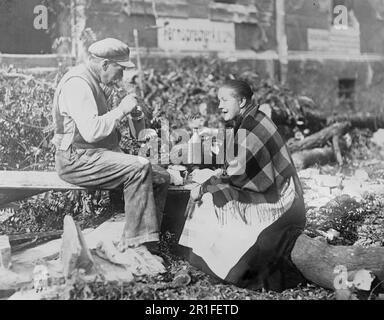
x,y
104,64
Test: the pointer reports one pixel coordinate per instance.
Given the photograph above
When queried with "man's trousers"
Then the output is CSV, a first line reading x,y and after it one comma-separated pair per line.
x,y
106,169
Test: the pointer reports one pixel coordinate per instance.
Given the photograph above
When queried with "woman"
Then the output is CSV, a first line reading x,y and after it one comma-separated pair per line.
x,y
242,225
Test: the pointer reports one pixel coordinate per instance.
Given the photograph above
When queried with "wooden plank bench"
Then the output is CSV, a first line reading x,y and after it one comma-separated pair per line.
x,y
18,185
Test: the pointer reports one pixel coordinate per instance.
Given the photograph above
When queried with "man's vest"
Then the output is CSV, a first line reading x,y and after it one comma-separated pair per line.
x,y
109,142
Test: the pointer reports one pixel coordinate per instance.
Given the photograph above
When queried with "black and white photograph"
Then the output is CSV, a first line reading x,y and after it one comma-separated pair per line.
x,y
192,155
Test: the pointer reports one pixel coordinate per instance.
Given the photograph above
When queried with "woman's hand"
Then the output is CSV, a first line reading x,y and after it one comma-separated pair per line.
x,y
201,175
235,168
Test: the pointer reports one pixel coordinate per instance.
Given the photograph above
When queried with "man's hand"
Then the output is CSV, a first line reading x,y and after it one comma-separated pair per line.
x,y
147,134
128,104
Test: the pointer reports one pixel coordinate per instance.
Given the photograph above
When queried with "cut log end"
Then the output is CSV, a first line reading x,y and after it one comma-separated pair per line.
x,y
320,262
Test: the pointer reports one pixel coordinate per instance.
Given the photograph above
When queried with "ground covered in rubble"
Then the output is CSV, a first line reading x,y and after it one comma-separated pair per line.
x,y
354,221
197,286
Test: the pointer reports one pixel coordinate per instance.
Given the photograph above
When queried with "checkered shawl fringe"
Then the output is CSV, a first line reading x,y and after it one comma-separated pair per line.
x,y
260,213
269,177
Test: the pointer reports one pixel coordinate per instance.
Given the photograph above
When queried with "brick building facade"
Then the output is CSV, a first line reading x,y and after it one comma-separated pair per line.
x,y
322,59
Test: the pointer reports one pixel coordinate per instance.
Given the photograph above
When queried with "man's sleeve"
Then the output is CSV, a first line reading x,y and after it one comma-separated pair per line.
x,y
81,106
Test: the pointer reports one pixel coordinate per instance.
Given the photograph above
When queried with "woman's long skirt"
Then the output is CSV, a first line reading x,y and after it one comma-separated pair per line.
x,y
254,254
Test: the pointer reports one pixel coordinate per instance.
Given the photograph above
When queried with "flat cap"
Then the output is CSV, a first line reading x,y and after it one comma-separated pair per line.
x,y
112,49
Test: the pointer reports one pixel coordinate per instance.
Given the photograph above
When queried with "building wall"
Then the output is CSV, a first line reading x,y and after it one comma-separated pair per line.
x,y
319,54
304,15
243,32
118,19
371,17
320,80
253,27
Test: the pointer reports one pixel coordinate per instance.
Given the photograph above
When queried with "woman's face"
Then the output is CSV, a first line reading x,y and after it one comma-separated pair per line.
x,y
230,105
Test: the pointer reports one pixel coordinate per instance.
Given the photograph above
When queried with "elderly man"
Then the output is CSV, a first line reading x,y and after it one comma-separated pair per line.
x,y
87,142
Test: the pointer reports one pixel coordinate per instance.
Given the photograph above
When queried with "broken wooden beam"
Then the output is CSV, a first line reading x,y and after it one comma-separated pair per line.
x,y
31,235
372,121
74,251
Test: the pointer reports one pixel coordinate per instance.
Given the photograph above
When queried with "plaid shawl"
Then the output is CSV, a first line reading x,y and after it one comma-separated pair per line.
x,y
265,162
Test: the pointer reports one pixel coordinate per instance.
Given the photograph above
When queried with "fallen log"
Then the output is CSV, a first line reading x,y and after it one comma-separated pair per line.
x,y
314,119
309,118
319,139
360,120
318,261
307,158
